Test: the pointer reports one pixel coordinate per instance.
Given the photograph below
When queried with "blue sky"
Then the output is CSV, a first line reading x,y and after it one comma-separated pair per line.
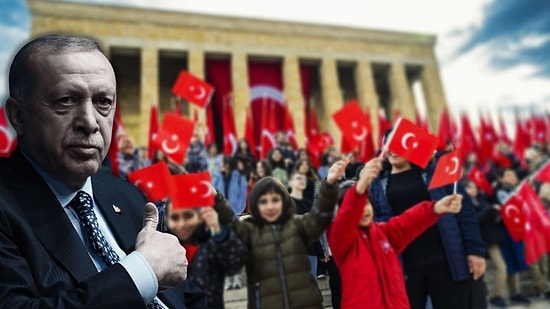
x,y
493,54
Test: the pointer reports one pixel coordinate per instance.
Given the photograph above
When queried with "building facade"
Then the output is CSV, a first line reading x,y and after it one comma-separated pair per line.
x,y
149,47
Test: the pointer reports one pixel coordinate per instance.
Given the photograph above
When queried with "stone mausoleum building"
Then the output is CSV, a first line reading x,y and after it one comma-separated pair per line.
x,y
149,47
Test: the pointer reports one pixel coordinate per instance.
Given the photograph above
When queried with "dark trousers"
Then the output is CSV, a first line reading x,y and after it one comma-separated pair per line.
x,y
435,280
334,283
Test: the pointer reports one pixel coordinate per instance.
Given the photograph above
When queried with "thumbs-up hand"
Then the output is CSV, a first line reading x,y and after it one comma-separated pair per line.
x,y
163,251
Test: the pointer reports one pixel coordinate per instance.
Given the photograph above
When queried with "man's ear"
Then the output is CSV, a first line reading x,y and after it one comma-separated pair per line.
x,y
14,113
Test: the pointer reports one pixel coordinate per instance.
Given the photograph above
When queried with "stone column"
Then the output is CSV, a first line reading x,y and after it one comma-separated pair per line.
x,y
148,90
293,96
332,98
196,67
400,92
366,92
241,89
433,93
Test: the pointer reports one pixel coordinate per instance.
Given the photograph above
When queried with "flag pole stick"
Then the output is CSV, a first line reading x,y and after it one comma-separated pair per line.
x,y
388,140
454,188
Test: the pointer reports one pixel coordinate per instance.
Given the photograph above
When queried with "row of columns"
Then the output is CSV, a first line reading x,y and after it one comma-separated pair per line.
x,y
402,98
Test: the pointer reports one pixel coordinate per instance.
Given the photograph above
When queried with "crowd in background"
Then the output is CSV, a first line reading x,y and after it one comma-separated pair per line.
x,y
235,176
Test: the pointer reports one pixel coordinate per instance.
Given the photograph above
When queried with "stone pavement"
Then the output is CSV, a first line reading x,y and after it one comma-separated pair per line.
x,y
236,299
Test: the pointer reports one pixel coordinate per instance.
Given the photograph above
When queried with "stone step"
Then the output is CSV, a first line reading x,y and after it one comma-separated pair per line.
x,y
236,298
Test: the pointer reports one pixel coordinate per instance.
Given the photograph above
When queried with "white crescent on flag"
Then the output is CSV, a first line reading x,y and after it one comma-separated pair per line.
x,y
171,150
512,208
406,138
201,92
452,171
362,135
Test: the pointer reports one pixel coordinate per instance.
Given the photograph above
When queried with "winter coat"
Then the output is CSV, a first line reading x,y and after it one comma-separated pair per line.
x,y
196,158
459,232
278,270
216,257
490,222
368,259
236,193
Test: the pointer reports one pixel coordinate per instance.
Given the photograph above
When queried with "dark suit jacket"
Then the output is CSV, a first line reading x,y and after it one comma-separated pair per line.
x,y
44,263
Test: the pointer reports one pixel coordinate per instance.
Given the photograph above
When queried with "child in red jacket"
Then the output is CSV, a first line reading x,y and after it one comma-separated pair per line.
x,y
366,252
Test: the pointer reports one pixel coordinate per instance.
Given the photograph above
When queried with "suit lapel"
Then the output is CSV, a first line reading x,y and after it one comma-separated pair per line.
x,y
116,212
48,219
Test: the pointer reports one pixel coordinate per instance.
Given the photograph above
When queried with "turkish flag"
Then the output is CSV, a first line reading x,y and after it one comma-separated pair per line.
x,y
522,140
503,132
543,174
537,223
229,130
447,170
353,123
8,138
288,127
154,181
500,159
488,140
366,148
477,177
468,141
174,136
412,143
313,128
269,129
249,132
513,216
118,131
317,145
444,132
153,130
209,136
192,89
192,190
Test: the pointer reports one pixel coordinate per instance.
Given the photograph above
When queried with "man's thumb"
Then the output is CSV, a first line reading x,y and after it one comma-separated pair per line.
x,y
150,216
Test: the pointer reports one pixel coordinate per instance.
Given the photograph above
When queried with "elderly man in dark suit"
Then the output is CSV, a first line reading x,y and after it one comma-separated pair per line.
x,y
72,237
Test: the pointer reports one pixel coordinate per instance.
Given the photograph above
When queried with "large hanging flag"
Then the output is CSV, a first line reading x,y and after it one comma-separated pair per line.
x,y
288,127
412,143
229,130
218,73
266,88
249,133
8,138
448,170
154,181
269,129
193,89
353,123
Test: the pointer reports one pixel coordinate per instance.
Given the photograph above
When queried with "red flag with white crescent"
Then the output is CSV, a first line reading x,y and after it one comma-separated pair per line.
x,y
8,138
154,181
193,89
448,170
192,190
412,143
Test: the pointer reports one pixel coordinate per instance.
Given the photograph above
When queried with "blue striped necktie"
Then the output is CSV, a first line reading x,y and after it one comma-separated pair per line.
x,y
83,205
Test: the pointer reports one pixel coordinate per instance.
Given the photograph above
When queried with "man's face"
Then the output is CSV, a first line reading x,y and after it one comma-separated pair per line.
x,y
68,117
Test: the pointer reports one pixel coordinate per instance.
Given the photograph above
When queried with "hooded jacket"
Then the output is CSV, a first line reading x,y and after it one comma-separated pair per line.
x,y
367,258
278,271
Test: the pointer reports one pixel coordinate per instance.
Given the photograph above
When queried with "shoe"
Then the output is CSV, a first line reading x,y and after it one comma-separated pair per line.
x,y
520,299
321,276
498,302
